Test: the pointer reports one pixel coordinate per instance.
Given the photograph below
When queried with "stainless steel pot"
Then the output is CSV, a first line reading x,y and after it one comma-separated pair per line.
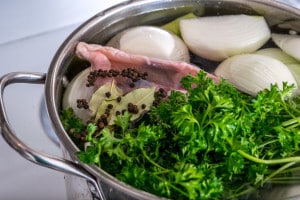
x,y
98,30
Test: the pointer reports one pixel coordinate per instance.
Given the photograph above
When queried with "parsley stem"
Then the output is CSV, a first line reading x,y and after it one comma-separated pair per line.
x,y
277,172
151,161
172,186
290,178
291,122
269,162
162,172
285,182
246,191
291,170
205,114
267,143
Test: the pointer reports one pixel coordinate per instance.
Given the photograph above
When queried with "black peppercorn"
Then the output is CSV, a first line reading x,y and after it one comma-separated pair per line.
x,y
107,94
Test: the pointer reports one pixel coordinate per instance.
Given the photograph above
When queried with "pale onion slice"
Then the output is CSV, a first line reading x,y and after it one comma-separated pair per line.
x,y
290,62
290,44
77,89
251,73
151,41
219,37
278,54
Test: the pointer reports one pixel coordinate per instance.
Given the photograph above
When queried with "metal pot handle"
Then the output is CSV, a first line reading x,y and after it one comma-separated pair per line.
x,y
32,155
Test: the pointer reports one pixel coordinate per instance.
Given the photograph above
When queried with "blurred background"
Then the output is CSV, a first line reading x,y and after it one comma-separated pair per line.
x,y
30,33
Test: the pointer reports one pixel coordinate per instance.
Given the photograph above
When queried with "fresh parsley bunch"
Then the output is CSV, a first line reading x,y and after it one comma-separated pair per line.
x,y
212,142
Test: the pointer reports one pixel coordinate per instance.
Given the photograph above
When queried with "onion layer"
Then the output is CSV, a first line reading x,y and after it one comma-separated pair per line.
x,y
151,41
251,73
77,89
219,37
290,44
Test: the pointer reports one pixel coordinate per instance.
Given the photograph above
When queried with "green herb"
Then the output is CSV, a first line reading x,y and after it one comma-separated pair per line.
x,y
70,122
212,142
73,125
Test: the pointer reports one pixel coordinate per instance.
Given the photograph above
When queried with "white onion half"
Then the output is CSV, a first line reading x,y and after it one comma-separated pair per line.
x,y
251,73
219,37
290,62
77,89
290,44
151,41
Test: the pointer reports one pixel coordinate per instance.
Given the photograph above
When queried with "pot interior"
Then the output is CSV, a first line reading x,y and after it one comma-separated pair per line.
x,y
106,24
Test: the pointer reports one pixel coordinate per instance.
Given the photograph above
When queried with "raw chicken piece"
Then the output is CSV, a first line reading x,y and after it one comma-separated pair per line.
x,y
163,73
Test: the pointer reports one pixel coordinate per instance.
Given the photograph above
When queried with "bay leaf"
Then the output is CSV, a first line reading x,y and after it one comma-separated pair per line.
x,y
100,95
103,106
137,97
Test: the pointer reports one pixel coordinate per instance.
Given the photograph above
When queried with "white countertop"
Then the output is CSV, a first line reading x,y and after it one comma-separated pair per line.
x,y
30,33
